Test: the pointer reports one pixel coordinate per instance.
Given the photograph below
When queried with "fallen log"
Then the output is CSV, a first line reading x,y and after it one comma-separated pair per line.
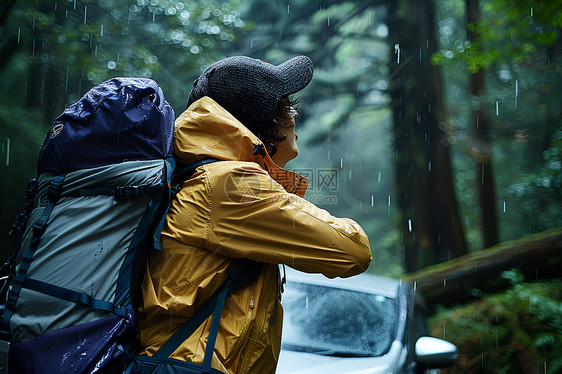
x,y
538,256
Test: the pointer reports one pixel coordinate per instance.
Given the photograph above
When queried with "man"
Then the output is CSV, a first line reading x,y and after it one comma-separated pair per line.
x,y
242,207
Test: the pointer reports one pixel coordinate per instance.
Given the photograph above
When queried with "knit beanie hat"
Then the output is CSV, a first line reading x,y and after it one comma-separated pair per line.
x,y
251,89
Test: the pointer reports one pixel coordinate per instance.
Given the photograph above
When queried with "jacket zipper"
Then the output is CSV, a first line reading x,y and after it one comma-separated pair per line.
x,y
280,284
238,346
258,331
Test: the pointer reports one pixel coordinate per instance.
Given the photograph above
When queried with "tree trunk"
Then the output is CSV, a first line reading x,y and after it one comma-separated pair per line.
x,y
482,150
430,223
8,43
538,256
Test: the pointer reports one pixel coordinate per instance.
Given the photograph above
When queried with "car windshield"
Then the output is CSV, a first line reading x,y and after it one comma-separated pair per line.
x,y
334,321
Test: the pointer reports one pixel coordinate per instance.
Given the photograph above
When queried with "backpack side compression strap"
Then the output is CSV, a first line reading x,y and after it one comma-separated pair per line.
x,y
77,297
53,194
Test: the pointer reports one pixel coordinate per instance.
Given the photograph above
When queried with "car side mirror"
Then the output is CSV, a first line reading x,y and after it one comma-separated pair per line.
x,y
435,353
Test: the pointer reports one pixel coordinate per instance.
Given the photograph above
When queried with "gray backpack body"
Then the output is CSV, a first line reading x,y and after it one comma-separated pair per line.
x,y
103,187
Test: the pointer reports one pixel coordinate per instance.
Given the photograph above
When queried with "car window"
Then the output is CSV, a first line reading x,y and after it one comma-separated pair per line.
x,y
335,321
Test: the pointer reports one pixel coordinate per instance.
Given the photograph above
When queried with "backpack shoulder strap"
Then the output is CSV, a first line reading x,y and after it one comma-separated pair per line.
x,y
240,273
181,173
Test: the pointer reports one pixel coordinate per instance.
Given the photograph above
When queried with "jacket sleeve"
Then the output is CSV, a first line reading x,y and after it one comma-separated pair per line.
x,y
252,216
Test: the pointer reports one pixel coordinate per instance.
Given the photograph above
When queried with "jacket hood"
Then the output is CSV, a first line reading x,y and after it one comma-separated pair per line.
x,y
206,129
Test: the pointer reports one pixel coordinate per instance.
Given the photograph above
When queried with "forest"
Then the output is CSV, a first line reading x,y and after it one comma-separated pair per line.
x,y
436,124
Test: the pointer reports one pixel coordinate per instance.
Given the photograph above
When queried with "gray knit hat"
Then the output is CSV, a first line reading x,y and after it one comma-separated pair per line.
x,y
251,89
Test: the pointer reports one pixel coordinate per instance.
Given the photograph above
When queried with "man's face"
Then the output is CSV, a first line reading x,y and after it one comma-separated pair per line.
x,y
288,148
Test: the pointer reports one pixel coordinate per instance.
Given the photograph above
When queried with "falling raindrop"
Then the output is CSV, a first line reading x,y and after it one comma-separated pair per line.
x,y
101,31
288,8
372,200
388,209
8,152
410,225
341,163
504,206
379,177
444,282
19,34
516,92
429,166
497,109
397,52
85,13
531,11
328,21
74,4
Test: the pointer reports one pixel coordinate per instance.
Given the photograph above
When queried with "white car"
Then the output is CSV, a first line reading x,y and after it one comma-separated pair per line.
x,y
365,324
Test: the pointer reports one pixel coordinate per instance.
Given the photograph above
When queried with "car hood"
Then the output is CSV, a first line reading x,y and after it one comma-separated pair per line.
x,y
291,362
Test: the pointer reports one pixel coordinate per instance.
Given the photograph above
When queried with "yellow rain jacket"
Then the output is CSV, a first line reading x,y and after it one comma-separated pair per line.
x,y
242,207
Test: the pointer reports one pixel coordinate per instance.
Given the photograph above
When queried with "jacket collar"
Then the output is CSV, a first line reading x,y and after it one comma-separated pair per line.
x,y
206,129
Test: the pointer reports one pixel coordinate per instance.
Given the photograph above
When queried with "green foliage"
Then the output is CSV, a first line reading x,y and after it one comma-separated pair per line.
x,y
534,197
510,332
507,32
96,40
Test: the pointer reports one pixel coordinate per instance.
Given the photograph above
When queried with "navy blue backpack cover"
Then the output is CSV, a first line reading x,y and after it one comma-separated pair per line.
x,y
103,185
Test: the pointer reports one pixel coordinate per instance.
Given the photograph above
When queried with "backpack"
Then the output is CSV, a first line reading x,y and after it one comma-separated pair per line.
x,y
73,282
